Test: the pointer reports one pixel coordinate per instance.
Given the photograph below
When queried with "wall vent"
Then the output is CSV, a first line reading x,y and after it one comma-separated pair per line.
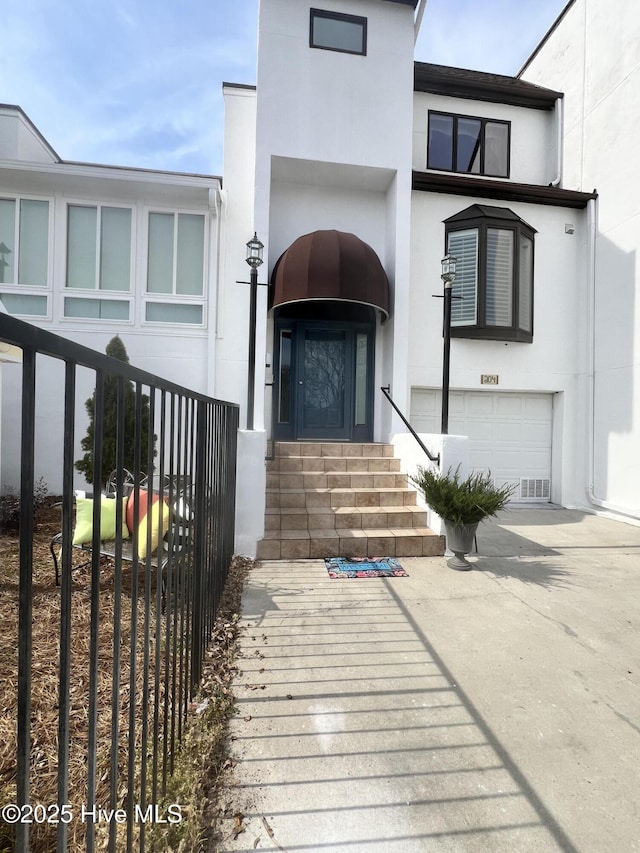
x,y
535,489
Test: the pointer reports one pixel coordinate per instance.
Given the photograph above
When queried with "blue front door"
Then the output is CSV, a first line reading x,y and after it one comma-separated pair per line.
x,y
324,381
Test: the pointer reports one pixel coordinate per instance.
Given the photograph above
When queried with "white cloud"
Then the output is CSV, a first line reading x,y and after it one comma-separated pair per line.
x,y
139,84
128,84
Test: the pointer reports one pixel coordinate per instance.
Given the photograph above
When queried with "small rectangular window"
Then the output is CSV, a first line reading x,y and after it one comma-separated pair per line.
x,y
362,360
30,306
467,144
525,283
171,312
96,309
335,31
284,385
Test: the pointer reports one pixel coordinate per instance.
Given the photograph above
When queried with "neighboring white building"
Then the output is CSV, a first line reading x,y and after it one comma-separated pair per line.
x,y
359,169
593,53
91,251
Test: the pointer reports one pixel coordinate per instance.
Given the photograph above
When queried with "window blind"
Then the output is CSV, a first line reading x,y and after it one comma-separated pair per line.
x,y
463,245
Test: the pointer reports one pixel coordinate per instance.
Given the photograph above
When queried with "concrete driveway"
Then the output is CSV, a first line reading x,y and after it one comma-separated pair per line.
x,y
491,710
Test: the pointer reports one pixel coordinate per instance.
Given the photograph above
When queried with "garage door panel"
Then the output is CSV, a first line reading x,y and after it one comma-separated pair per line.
x,y
509,407
510,434
537,406
522,432
456,404
478,404
480,430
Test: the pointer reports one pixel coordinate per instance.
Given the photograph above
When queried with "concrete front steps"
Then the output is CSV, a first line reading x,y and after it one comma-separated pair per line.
x,y
342,500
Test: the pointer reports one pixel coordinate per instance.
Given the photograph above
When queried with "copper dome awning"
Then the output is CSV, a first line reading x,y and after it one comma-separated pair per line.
x,y
330,265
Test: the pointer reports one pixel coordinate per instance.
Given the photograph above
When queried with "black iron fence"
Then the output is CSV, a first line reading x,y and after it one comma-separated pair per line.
x,y
130,630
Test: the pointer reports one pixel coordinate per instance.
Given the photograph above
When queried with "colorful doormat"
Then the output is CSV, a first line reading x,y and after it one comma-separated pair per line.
x,y
364,567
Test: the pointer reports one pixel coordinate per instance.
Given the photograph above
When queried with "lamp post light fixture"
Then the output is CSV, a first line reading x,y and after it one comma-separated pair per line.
x,y
254,259
448,276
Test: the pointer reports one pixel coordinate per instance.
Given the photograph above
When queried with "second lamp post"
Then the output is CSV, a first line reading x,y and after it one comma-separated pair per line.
x,y
448,276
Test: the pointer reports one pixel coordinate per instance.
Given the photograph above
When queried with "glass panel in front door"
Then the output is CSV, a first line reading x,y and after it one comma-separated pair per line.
x,y
324,377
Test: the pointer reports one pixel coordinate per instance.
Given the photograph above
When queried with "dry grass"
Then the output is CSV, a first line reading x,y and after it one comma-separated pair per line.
x,y
194,783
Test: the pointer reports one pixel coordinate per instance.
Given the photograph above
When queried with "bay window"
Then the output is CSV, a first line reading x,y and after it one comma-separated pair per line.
x,y
493,288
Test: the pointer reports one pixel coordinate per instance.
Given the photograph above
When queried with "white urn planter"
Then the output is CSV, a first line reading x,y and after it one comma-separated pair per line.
x,y
460,540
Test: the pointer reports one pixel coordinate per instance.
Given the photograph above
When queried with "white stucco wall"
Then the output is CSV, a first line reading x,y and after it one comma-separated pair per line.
x,y
453,451
299,208
237,228
339,126
533,134
593,57
309,97
251,484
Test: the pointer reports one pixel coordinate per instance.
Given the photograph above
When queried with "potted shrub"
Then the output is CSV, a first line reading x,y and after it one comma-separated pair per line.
x,y
462,505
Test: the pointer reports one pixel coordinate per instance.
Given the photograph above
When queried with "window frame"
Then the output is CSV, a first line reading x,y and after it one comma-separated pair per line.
x,y
482,222
484,121
15,288
337,16
97,293
174,298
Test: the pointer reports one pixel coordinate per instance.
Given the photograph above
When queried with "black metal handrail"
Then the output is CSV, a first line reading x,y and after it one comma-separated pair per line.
x,y
155,656
385,390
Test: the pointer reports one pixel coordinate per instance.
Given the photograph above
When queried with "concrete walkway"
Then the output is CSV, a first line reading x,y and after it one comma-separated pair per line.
x,y
491,710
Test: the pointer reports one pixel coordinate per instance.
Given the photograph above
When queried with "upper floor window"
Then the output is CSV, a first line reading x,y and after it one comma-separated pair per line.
x,y
336,31
24,254
475,146
175,268
98,259
494,274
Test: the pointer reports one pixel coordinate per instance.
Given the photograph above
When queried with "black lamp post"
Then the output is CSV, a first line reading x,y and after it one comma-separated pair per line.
x,y
254,259
448,276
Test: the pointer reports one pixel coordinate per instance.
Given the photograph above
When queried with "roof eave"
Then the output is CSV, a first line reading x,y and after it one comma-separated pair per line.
x,y
504,191
481,86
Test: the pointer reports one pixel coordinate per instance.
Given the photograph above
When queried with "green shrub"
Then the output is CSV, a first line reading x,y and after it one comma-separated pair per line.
x,y
116,349
462,501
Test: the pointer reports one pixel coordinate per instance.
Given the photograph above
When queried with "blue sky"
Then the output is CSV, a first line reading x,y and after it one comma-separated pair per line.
x,y
139,82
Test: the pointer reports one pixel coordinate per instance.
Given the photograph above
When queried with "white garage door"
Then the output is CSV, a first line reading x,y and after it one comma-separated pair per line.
x,y
510,434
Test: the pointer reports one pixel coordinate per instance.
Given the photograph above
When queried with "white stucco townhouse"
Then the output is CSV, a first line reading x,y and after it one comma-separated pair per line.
x,y
359,169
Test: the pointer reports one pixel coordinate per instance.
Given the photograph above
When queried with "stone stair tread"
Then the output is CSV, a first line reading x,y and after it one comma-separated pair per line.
x,y
370,510
323,488
340,490
349,533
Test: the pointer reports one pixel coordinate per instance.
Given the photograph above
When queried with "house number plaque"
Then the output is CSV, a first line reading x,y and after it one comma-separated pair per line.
x,y
489,379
